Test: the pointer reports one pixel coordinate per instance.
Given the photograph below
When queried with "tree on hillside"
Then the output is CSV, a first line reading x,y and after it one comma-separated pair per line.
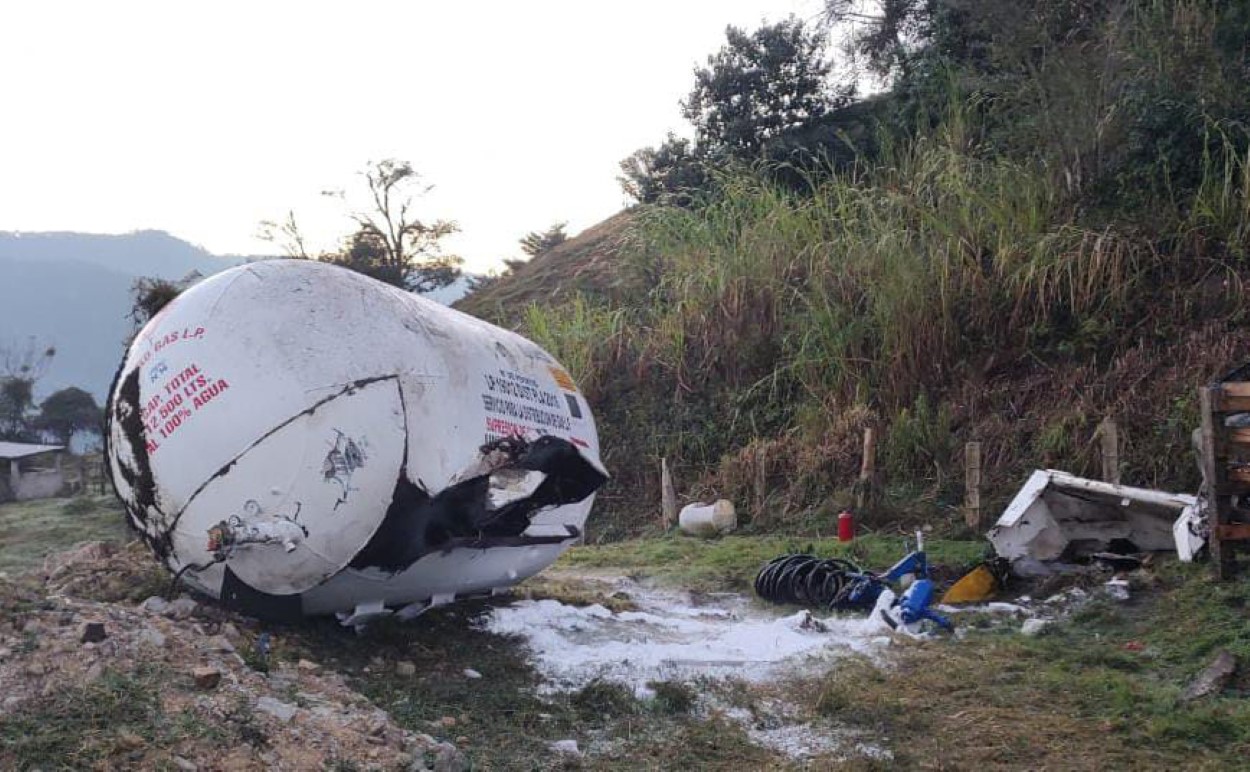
x,y
20,368
533,244
671,173
761,97
759,86
537,243
68,411
390,240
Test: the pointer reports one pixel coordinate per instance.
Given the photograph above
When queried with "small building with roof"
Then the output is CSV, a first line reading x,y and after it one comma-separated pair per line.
x,y
29,471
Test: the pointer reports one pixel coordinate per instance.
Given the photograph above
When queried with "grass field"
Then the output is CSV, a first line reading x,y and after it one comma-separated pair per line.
x,y
30,530
731,562
1097,690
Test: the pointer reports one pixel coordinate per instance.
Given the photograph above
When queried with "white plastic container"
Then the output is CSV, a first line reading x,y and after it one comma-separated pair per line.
x,y
303,439
708,519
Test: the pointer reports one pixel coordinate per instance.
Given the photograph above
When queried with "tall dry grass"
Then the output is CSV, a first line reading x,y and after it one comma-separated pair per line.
x,y
940,291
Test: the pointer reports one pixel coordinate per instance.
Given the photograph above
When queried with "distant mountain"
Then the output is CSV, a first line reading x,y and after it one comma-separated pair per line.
x,y
72,291
78,307
454,291
142,253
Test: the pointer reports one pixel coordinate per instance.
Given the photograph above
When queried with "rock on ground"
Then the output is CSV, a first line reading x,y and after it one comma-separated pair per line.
x,y
1213,678
303,716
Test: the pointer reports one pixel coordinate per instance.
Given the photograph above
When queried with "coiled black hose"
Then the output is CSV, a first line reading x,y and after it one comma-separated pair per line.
x,y
807,580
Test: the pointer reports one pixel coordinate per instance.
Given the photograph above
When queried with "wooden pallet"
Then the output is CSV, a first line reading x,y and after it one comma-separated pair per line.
x,y
1226,469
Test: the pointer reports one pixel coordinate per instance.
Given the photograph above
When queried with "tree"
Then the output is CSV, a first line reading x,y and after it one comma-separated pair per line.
x,y
68,411
761,97
285,234
390,241
757,87
20,368
671,173
148,296
16,403
535,243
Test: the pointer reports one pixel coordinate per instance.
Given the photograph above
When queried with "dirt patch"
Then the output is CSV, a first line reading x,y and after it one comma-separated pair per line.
x,y
114,684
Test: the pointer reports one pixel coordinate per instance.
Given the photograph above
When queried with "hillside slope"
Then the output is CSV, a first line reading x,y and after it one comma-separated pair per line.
x,y
1013,263
586,264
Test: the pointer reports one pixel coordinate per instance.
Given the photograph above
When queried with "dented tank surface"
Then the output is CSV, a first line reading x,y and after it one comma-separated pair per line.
x,y
295,438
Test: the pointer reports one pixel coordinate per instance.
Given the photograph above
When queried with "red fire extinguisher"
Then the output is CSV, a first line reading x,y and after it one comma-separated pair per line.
x,y
846,526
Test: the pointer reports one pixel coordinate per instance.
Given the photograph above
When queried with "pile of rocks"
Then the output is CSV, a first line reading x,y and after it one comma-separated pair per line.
x,y
199,661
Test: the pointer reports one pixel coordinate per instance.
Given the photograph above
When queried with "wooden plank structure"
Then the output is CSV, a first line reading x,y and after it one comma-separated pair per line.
x,y
1225,452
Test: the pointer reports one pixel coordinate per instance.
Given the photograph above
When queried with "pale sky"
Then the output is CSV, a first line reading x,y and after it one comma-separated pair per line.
x,y
203,119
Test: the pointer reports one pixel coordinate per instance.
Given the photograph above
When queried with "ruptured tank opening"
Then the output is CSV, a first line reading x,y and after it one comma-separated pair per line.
x,y
489,504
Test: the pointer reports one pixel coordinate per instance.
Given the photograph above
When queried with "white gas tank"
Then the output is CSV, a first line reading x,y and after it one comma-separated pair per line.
x,y
300,438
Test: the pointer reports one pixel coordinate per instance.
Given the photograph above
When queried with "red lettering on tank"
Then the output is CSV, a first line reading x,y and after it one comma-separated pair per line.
x,y
209,393
180,400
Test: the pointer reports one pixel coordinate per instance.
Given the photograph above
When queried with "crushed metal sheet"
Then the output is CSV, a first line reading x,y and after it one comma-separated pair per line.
x,y
1057,515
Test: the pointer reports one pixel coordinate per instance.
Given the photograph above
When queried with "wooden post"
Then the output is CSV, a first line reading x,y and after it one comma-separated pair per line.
x,y
1214,470
867,470
972,486
668,496
1110,435
761,484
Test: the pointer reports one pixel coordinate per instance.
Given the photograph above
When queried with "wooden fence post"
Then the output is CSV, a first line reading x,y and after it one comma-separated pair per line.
x,y
867,470
761,484
1110,436
668,496
972,486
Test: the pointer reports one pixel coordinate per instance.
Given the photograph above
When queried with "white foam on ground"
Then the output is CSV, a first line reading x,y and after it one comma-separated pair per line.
x,y
671,637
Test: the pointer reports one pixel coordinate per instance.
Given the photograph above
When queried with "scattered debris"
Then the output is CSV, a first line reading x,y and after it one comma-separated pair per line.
x,y
809,622
835,583
405,669
1032,568
978,585
1117,589
307,666
1116,562
1190,533
1213,678
708,519
472,674
1056,514
1034,626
